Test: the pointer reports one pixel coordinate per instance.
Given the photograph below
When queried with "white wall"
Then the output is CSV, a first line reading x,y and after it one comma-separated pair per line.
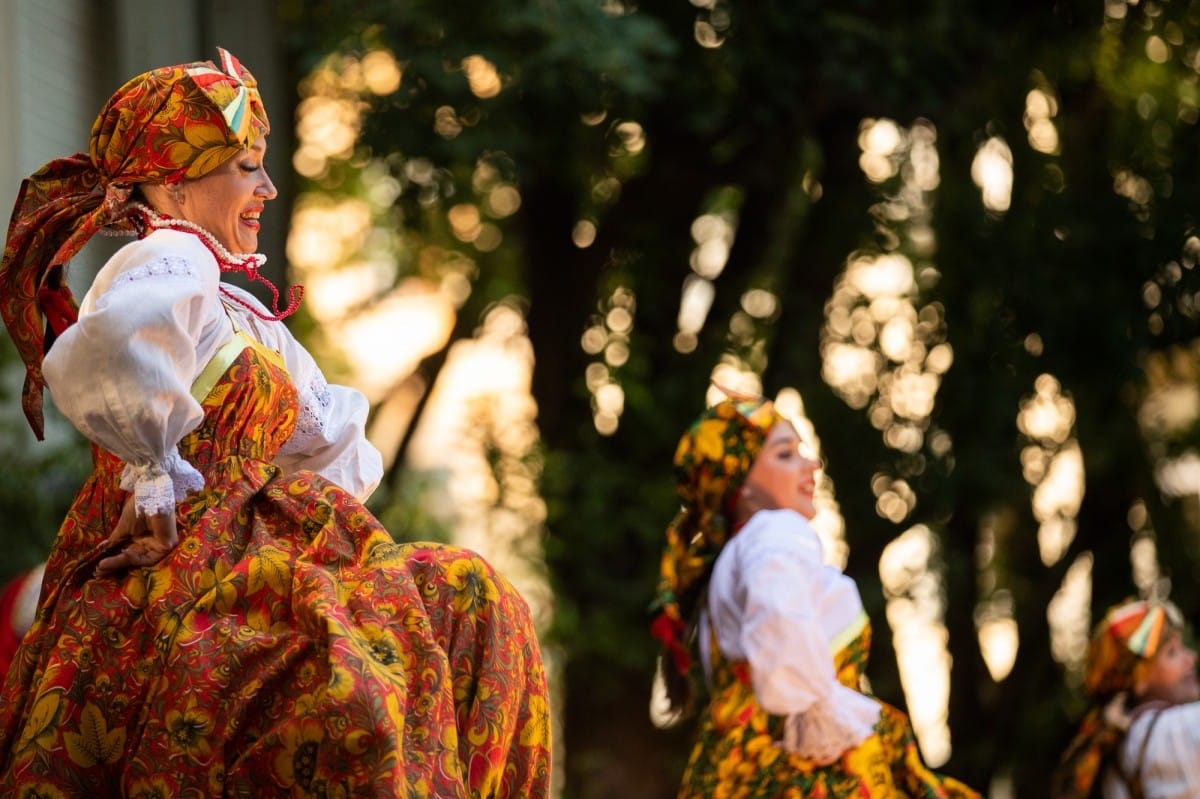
x,y
51,86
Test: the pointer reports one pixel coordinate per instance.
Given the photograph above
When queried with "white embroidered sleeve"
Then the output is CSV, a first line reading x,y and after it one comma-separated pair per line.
x,y
832,726
330,439
316,402
158,487
122,374
164,264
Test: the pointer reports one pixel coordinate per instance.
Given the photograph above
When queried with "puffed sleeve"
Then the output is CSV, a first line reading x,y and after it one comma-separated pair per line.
x,y
768,607
122,374
330,436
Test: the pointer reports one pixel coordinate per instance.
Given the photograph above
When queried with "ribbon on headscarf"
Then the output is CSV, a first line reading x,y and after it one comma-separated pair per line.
x,y
711,461
167,125
671,631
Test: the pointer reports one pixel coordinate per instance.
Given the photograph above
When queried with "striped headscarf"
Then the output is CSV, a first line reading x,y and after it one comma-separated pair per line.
x,y
1129,635
711,463
1122,647
164,126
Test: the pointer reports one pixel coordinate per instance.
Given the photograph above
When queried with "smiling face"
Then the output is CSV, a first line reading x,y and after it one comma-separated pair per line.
x,y
781,476
1171,675
227,201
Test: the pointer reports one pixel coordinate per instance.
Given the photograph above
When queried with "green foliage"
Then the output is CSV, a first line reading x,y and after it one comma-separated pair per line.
x,y
404,509
39,479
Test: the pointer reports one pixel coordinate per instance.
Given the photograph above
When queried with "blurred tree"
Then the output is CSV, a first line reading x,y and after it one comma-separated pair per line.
x,y
566,151
38,481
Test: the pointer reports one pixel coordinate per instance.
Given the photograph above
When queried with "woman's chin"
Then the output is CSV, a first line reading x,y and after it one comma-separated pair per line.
x,y
804,507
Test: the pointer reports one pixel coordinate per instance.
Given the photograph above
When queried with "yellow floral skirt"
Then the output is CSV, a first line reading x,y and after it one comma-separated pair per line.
x,y
737,754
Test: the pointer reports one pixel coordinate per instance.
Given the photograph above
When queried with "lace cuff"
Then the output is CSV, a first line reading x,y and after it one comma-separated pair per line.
x,y
829,728
158,487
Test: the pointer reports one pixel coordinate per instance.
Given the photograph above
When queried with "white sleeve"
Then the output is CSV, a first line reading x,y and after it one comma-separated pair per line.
x,y
330,435
1170,766
776,585
123,373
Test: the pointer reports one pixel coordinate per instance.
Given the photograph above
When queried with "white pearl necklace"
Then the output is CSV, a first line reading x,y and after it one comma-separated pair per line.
x,y
145,218
248,262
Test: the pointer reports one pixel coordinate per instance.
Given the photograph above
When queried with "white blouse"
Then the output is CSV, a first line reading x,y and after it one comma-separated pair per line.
x,y
148,325
1170,765
775,603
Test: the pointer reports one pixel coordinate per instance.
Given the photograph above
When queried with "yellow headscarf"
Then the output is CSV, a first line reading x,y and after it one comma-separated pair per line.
x,y
711,462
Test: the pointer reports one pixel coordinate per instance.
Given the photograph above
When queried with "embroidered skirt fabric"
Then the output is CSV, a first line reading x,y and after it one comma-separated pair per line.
x,y
287,648
737,755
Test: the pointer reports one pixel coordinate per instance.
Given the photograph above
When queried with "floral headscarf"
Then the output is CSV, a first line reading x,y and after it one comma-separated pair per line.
x,y
711,463
1122,647
167,125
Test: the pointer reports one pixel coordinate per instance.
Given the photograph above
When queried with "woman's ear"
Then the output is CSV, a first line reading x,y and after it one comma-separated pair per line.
x,y
750,500
161,197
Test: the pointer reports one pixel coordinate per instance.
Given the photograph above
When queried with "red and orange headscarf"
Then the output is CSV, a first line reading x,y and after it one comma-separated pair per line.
x,y
1121,649
711,463
164,126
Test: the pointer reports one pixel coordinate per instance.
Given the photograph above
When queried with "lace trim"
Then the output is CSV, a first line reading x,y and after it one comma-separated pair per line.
x,y
163,265
158,487
827,729
315,402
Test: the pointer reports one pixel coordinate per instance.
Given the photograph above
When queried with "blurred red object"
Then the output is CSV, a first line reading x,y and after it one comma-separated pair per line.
x,y
18,603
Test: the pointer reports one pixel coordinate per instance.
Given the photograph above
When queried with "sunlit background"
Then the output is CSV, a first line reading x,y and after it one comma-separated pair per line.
x,y
885,348
395,246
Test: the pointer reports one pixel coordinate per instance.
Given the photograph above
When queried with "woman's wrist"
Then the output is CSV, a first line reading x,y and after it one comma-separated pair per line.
x,y
158,487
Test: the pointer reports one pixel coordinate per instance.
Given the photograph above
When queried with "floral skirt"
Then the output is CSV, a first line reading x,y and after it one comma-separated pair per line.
x,y
288,647
737,754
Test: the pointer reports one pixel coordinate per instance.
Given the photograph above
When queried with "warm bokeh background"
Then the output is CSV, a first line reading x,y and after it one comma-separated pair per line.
x,y
956,240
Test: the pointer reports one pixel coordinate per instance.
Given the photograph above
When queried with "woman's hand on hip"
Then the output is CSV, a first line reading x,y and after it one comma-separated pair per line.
x,y
142,540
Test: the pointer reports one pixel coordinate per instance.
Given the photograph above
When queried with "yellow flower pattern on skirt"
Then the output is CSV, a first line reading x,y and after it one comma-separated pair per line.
x,y
288,647
737,754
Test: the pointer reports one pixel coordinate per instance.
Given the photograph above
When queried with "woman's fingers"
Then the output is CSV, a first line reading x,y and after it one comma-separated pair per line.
x,y
126,524
149,540
113,564
162,529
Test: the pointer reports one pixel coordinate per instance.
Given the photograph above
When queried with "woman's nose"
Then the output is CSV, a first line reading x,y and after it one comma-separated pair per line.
x,y
267,189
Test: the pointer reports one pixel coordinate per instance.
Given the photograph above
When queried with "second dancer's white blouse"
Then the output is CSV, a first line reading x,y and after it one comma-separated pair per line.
x,y
774,603
148,325
1162,752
